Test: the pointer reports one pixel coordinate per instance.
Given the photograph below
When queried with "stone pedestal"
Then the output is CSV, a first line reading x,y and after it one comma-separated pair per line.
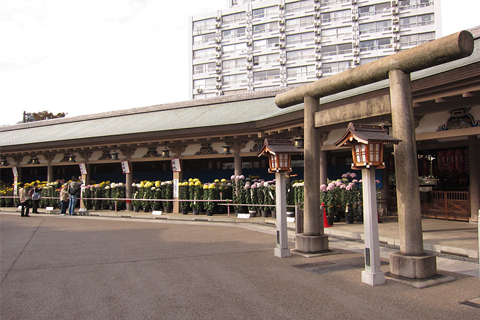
x,y
373,278
311,244
281,253
413,267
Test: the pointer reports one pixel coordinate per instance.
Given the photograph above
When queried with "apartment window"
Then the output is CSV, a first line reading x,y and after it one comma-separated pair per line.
x,y
375,44
235,79
367,60
300,54
336,32
266,59
337,49
412,4
204,95
371,10
230,92
204,83
234,64
233,18
300,38
266,75
235,48
336,15
332,2
233,33
203,38
264,12
426,37
298,6
265,27
378,26
265,43
415,21
204,68
336,67
300,71
416,39
203,24
300,22
204,53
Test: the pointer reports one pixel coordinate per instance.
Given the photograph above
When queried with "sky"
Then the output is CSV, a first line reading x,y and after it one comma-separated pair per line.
x,y
90,56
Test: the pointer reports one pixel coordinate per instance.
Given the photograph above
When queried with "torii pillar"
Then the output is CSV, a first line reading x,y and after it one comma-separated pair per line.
x,y
411,261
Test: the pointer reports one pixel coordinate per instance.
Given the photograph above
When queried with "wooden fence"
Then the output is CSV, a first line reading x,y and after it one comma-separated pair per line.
x,y
448,205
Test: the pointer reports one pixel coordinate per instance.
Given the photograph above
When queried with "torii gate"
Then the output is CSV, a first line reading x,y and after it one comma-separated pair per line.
x,y
411,261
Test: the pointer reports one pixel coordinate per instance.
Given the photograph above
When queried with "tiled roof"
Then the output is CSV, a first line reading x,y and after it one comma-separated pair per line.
x,y
211,112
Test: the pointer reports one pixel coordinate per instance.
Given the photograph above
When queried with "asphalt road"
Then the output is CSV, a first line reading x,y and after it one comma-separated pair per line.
x,y
61,267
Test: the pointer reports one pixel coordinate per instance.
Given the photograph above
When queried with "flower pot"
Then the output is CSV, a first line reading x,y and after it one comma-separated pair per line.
x,y
209,212
146,208
274,213
112,207
167,209
97,206
253,213
184,210
136,209
265,213
156,207
195,211
330,220
290,214
349,219
238,210
337,217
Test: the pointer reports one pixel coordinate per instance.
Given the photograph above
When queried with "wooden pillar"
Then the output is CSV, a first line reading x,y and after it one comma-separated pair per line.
x,y
177,178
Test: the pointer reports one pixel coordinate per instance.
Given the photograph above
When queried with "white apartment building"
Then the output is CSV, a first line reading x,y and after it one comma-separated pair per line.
x,y
258,45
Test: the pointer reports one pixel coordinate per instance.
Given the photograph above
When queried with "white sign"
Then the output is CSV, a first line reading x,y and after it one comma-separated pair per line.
x,y
243,215
49,208
125,166
175,188
83,168
290,219
176,167
157,213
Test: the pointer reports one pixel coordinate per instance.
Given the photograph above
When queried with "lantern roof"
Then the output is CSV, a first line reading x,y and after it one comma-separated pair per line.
x,y
366,134
279,146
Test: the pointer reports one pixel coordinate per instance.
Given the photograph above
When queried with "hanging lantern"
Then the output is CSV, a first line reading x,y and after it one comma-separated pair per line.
x,y
34,160
114,154
298,141
279,152
4,162
71,158
367,143
226,147
165,152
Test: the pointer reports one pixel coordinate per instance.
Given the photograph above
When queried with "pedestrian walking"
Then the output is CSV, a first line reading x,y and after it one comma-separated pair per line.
x,y
24,200
35,196
73,191
64,199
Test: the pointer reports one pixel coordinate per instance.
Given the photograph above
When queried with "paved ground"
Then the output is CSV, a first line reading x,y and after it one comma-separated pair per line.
x,y
61,267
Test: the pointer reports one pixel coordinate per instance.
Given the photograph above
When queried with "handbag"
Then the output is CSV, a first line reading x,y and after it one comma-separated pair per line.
x,y
36,196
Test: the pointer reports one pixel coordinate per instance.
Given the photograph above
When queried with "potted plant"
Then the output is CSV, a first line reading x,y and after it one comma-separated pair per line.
x,y
210,192
251,198
157,195
238,192
167,193
195,194
327,197
184,195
